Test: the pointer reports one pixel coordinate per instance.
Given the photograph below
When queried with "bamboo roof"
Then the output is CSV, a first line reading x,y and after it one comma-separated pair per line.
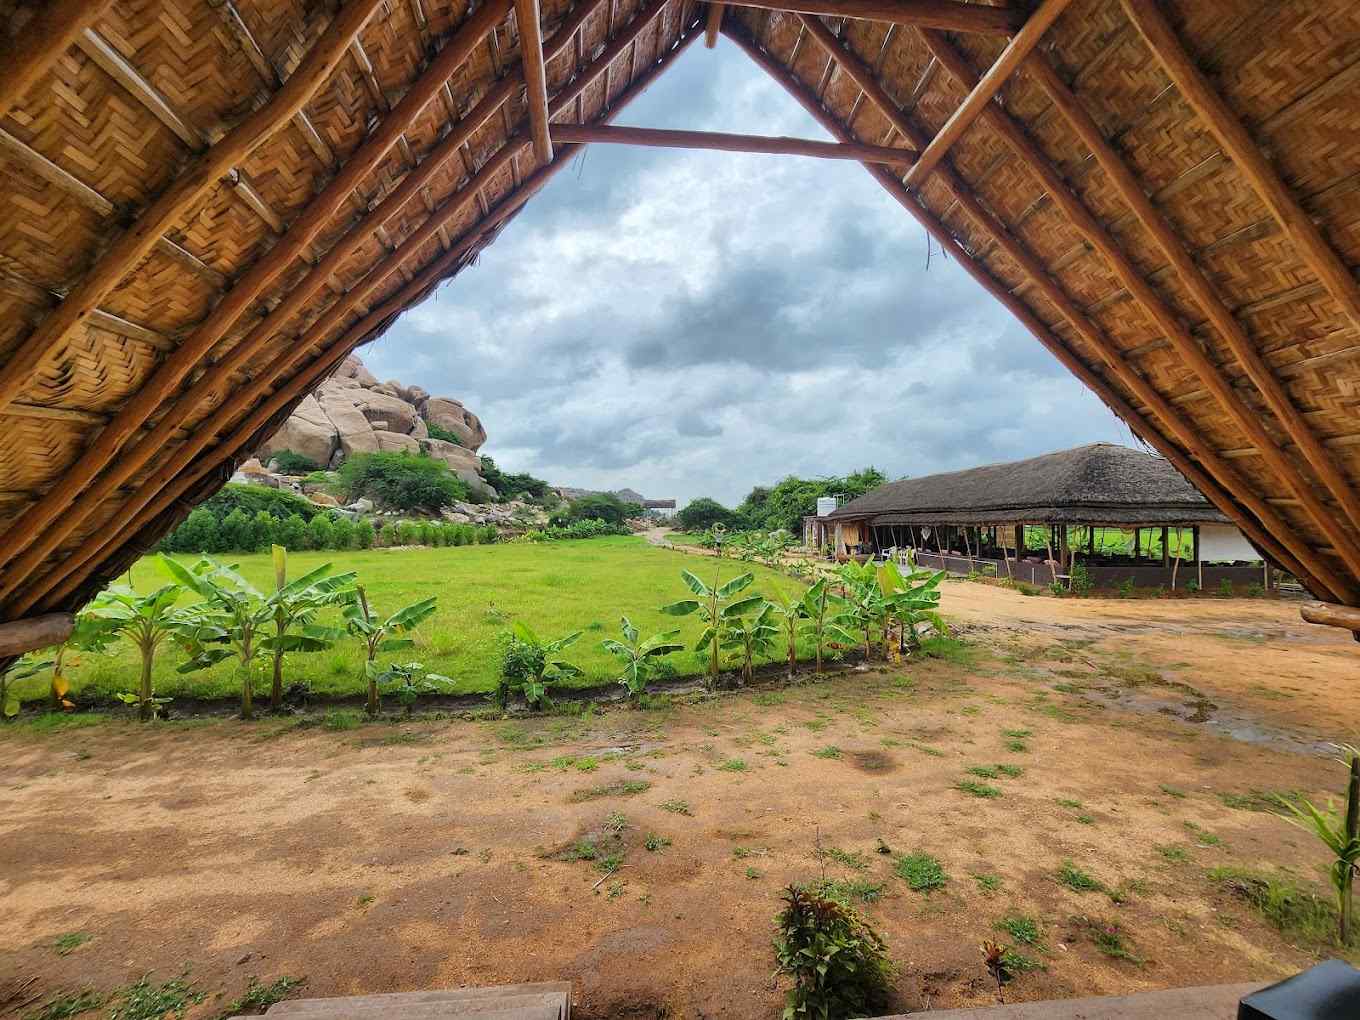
x,y
1099,483
208,203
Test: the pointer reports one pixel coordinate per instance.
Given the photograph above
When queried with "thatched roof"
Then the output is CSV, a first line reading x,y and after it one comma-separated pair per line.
x,y
210,202
1096,484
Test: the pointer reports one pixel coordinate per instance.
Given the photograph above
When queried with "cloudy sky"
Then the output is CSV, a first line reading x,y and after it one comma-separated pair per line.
x,y
696,323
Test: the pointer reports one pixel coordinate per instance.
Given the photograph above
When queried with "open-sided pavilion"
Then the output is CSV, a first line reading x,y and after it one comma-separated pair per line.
x,y
209,203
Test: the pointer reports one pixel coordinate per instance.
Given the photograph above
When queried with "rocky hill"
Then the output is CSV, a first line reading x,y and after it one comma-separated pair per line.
x,y
352,412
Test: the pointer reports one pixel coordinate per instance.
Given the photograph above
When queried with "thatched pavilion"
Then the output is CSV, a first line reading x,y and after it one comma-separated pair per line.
x,y
1033,520
209,203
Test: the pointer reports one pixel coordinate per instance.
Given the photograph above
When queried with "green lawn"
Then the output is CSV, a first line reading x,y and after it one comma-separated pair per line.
x,y
553,587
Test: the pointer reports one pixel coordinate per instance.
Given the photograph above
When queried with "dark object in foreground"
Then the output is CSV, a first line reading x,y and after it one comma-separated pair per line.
x,y
1329,991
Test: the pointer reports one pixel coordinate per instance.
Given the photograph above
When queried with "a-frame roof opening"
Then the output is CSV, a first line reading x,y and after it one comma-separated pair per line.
x,y
697,322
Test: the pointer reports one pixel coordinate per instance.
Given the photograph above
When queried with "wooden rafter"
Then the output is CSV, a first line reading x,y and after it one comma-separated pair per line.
x,y
262,274
712,23
982,91
949,15
116,66
535,78
1296,555
45,524
1232,135
52,31
1155,307
172,480
1145,212
720,141
130,247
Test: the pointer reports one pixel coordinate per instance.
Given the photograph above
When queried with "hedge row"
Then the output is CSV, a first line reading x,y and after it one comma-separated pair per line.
x,y
204,532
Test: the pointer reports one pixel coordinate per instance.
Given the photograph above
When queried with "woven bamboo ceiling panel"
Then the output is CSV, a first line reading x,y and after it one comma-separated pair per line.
x,y
208,203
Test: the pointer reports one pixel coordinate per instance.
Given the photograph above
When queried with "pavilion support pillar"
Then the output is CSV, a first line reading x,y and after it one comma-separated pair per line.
x,y
1199,565
1019,539
1166,546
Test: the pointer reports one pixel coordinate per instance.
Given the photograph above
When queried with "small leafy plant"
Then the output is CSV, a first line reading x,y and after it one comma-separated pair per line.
x,y
750,636
530,665
379,635
640,658
718,606
839,964
147,622
21,670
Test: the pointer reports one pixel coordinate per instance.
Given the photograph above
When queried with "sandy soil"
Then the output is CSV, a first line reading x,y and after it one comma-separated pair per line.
x,y
397,857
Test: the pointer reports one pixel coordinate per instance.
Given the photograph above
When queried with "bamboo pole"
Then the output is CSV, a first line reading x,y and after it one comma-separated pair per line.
x,y
45,524
723,142
1217,480
1329,615
1156,308
51,31
535,77
172,480
203,175
982,91
712,23
1233,333
943,14
20,636
1249,158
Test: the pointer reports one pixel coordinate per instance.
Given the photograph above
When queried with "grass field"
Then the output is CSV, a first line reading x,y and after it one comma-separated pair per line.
x,y
554,588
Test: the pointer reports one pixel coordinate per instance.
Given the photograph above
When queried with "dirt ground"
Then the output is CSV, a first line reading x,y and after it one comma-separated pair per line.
x,y
436,853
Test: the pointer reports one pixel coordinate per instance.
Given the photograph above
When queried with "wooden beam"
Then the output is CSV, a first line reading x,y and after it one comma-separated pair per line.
x,y
51,31
535,78
713,23
265,271
1217,479
1156,308
1232,135
113,63
20,636
201,176
1329,615
583,133
1234,336
174,479
949,15
979,98
41,528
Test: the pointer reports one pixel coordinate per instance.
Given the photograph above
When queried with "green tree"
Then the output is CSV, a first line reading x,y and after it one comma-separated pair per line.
x,y
237,532
640,658
363,533
718,607
597,506
382,635
145,621
703,513
291,532
343,533
198,533
295,605
320,533
263,526
787,503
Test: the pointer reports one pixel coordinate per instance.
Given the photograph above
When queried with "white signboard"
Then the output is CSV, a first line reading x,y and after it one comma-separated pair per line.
x,y
1224,543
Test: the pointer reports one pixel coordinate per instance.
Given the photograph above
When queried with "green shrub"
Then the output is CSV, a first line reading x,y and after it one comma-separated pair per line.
x,y
598,506
437,431
839,964
1192,586
199,533
363,533
921,871
292,533
290,463
342,533
408,533
509,486
1126,587
401,481
1225,588
428,533
388,535
280,503
1081,579
263,526
320,533
487,535
236,532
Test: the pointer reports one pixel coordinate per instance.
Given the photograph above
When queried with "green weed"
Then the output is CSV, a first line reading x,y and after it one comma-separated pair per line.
x,y
1297,912
977,789
258,997
831,751
987,883
618,788
1021,928
144,1000
921,871
677,807
734,765
70,941
67,1005
1077,880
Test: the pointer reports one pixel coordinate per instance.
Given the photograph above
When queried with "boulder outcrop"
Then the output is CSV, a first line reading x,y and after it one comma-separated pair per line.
x,y
352,412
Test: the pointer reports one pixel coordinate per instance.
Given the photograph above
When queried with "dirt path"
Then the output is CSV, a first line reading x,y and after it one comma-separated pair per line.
x,y
435,854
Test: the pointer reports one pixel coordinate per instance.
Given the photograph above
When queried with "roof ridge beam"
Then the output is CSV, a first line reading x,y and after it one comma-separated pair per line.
x,y
52,31
130,247
728,142
950,15
1197,90
983,90
1223,320
1224,479
1154,306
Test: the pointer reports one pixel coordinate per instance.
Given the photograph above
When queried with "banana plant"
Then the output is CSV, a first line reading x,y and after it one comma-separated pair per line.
x,y
230,622
530,665
750,636
911,599
146,622
866,609
409,680
1341,835
822,612
791,614
716,608
11,675
381,635
295,605
640,658
90,634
